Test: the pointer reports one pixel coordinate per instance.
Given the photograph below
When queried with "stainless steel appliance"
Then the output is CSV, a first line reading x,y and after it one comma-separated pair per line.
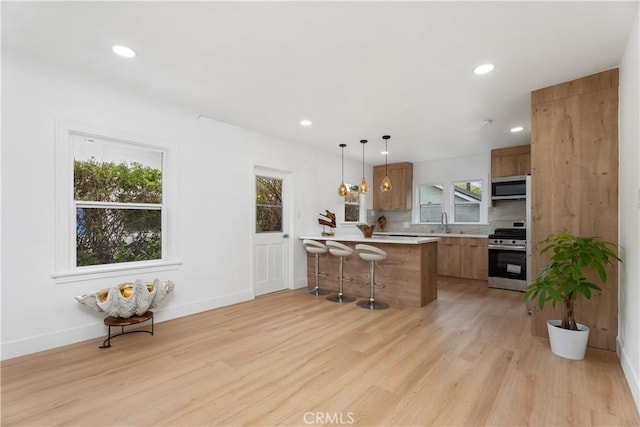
x,y
509,188
508,258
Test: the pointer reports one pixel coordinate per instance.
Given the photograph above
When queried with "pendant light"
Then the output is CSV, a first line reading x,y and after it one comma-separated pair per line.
x,y
386,182
342,190
364,188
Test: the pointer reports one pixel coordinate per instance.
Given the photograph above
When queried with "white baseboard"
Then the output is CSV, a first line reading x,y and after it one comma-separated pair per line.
x,y
629,372
34,344
300,283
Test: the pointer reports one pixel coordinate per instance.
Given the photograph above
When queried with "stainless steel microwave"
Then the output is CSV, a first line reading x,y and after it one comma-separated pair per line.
x,y
509,187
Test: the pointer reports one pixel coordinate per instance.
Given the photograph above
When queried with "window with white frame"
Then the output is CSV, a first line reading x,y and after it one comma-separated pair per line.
x,y
462,200
467,200
430,202
118,201
352,204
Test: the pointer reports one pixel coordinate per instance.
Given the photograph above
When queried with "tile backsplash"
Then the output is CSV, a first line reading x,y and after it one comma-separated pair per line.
x,y
503,211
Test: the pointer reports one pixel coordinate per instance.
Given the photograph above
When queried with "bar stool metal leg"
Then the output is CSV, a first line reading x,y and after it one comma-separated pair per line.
x,y
340,297
317,290
371,303
371,254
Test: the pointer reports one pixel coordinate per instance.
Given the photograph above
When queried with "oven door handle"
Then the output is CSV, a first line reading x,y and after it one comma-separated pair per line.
x,y
513,275
508,248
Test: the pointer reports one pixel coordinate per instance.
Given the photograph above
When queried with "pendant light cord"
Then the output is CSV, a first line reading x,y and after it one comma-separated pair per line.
x,y
386,182
342,189
386,153
342,147
363,159
364,187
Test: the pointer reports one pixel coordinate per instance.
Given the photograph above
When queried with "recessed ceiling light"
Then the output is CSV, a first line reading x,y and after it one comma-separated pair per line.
x,y
517,129
123,51
484,69
305,122
384,152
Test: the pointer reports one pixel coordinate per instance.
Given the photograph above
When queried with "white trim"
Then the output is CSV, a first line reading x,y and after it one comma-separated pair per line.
x,y
117,205
448,202
629,371
95,329
65,250
64,216
362,215
288,215
114,270
349,224
415,214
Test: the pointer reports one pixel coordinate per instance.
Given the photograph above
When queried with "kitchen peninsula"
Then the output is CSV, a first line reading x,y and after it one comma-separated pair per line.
x,y
409,274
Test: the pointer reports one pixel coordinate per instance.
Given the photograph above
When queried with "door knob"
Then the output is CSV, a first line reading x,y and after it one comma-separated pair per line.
x,y
286,236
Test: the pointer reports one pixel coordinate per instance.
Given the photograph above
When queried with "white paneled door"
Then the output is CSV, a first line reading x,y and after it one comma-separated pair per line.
x,y
271,241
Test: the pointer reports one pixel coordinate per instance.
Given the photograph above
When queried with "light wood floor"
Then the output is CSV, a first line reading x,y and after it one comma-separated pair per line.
x,y
291,359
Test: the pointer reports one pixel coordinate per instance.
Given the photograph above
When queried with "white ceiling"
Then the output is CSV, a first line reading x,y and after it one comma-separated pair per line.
x,y
358,70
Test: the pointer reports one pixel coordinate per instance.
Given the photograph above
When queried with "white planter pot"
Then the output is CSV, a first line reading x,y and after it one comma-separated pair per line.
x,y
566,343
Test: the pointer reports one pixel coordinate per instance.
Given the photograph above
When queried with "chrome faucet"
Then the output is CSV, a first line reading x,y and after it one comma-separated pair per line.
x,y
444,221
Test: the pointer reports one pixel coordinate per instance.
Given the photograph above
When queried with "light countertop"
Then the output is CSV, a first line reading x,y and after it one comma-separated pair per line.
x,y
400,240
404,234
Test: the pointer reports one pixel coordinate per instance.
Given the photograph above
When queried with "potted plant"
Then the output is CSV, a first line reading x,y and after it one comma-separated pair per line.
x,y
563,279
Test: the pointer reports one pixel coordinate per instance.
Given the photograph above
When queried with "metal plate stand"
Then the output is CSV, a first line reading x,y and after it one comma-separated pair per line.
x,y
122,322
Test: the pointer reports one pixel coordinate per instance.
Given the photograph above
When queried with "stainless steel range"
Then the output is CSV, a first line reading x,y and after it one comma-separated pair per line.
x,y
508,259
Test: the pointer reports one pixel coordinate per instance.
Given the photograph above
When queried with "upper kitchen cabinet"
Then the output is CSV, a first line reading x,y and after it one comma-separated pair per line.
x,y
399,198
511,161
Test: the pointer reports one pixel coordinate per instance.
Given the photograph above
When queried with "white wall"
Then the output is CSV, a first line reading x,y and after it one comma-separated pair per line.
x,y
213,221
629,293
475,166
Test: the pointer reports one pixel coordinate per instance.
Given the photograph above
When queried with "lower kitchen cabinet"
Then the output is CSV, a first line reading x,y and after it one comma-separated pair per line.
x,y
474,258
465,257
449,256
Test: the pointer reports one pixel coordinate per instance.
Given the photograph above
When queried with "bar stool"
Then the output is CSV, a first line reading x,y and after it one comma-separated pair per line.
x,y
341,251
373,255
316,248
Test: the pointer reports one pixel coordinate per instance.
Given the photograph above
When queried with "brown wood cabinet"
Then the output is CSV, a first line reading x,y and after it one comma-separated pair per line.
x,y
449,256
465,257
409,273
574,153
474,258
399,198
511,161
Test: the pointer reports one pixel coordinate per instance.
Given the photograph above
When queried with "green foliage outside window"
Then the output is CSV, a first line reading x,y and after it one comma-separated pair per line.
x,y
352,204
109,233
474,187
111,182
268,204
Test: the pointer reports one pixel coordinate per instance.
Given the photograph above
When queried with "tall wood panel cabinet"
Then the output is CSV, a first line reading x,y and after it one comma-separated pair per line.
x,y
574,159
399,198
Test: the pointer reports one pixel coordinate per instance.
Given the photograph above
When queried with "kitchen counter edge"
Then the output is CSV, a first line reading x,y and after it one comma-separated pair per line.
x,y
399,240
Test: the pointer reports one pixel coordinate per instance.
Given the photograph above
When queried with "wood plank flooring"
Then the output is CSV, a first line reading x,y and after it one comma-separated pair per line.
x,y
467,359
